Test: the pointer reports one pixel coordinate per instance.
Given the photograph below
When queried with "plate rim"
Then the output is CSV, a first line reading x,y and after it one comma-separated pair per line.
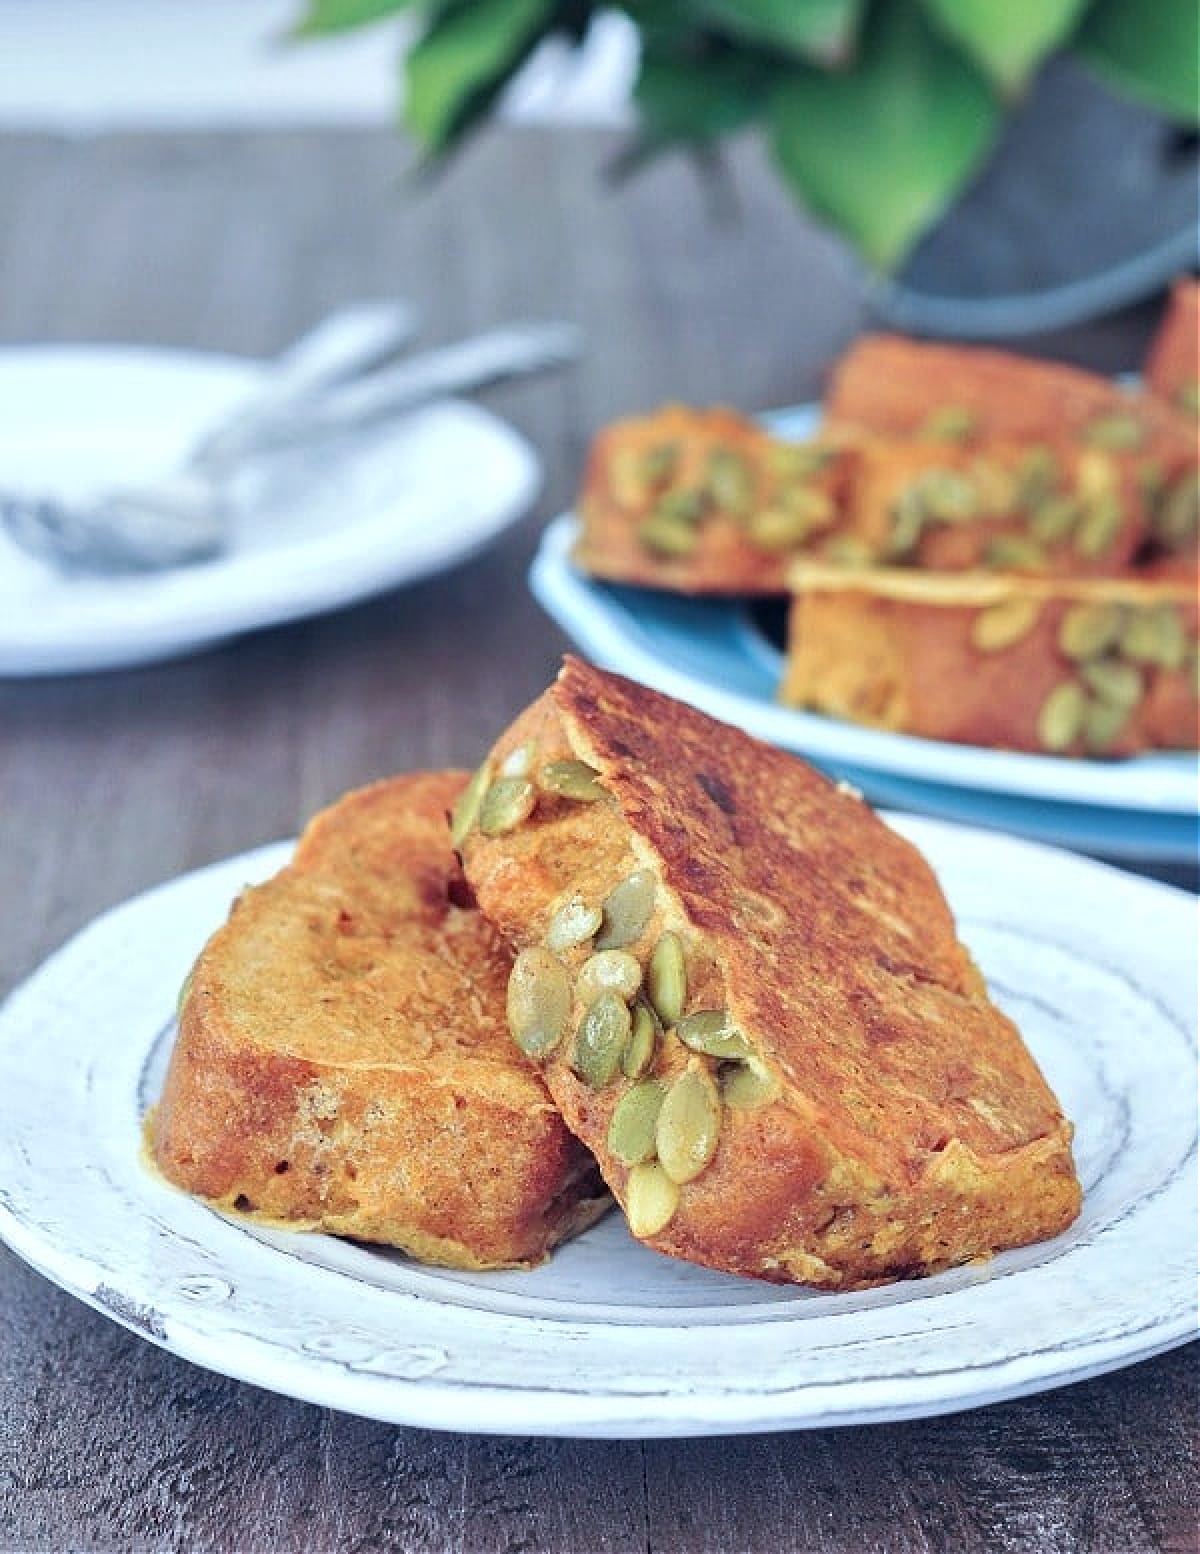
x,y
123,639
460,1405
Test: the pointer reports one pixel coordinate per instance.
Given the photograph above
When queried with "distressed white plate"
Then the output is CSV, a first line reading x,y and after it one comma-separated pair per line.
x,y
610,1339
417,497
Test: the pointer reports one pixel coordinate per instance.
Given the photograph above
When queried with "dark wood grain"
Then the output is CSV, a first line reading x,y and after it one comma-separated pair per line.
x,y
111,783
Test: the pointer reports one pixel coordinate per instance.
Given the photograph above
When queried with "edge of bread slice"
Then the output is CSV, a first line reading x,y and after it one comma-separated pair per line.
x,y
342,1062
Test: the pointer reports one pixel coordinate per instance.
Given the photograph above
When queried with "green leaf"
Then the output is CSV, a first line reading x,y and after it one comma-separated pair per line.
x,y
880,150
325,16
698,96
469,50
819,30
1007,38
1149,50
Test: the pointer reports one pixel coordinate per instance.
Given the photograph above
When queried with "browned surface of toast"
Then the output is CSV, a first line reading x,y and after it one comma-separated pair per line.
x,y
1172,370
912,1130
343,1061
989,660
705,501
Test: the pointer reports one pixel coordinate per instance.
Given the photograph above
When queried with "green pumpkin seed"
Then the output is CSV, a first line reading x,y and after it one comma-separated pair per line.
x,y
466,808
799,460
508,802
1155,636
907,521
1117,431
1052,518
539,1001
1037,475
683,506
1115,683
1099,526
615,971
712,1032
666,978
643,1041
634,1121
600,1040
817,508
1061,718
689,1125
1177,515
668,537
1102,723
746,1086
728,480
950,423
1002,625
948,496
651,1198
658,463
572,780
1013,552
627,910
1088,630
775,528
573,923
1187,397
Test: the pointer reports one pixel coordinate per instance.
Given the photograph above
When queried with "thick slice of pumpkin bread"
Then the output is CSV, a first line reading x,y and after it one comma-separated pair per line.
x,y
749,999
343,1063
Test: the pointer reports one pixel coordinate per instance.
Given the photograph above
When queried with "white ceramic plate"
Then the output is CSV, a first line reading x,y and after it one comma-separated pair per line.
x,y
711,653
610,1339
428,493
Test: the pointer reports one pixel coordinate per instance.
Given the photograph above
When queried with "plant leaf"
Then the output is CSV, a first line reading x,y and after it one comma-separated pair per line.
x,y
698,96
1007,38
325,16
880,150
468,51
818,30
1149,52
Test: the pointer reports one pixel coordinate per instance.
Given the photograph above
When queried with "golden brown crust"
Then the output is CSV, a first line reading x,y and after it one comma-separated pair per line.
x,y
1171,369
704,501
914,1130
343,1063
977,659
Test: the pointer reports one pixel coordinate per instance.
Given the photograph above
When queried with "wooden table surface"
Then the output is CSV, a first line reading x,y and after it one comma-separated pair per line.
x,y
111,783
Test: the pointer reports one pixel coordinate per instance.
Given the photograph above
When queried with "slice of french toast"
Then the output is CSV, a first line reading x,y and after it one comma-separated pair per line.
x,y
749,1000
343,1064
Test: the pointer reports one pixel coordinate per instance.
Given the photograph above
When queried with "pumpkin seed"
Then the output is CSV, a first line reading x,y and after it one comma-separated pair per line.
x,y
798,460
627,478
1118,430
728,480
686,506
1154,636
669,537
572,780
1115,683
817,508
907,521
775,528
1008,552
627,910
1102,723
651,1198
1052,518
614,971
643,1041
745,1086
658,463
843,550
573,923
689,1125
1061,717
1088,630
1099,526
1037,475
632,1126
517,762
1002,625
1187,397
666,978
600,1040
466,807
712,1032
950,423
539,1001
948,496
508,802
1177,515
